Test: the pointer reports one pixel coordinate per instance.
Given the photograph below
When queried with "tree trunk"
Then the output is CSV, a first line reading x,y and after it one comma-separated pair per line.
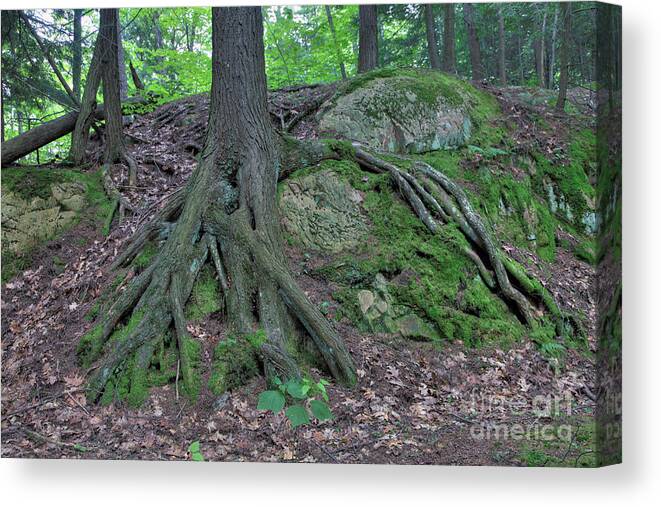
x,y
158,35
77,51
432,46
473,43
227,212
540,50
554,37
338,53
121,63
368,46
137,82
502,70
83,121
449,53
565,14
23,144
114,139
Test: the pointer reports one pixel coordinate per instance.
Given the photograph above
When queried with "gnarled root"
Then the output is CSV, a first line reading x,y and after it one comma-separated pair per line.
x,y
258,292
433,197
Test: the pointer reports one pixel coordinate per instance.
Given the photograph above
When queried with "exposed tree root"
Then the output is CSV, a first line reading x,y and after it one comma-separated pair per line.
x,y
435,197
257,292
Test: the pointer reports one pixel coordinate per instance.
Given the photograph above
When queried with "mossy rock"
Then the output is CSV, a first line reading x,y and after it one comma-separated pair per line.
x,y
402,111
322,211
39,204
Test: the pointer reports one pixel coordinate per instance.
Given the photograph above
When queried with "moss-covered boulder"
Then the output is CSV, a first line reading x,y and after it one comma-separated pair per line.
x,y
401,112
29,220
322,212
38,204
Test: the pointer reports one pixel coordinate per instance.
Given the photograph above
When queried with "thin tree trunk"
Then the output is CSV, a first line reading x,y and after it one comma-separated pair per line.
x,y
77,51
338,53
554,37
432,46
473,43
449,53
565,14
502,70
121,63
137,82
49,58
83,121
539,48
158,34
115,149
368,46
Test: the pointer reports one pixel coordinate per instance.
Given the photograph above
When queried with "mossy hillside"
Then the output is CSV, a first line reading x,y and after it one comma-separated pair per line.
x,y
429,273
32,182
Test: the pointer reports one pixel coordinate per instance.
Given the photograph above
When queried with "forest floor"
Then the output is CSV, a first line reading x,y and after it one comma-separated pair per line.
x,y
414,403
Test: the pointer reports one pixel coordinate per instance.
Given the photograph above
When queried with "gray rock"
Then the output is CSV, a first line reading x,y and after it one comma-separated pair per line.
x,y
323,212
401,114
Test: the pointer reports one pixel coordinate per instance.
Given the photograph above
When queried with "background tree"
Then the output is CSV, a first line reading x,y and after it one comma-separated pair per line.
x,y
449,57
430,30
473,43
115,149
502,69
565,16
331,26
77,51
368,52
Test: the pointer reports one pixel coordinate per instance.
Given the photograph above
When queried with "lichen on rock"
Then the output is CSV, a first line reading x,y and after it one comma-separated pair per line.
x,y
401,113
322,211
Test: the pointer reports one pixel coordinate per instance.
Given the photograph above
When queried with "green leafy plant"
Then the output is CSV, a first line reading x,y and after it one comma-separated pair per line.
x,y
303,398
195,452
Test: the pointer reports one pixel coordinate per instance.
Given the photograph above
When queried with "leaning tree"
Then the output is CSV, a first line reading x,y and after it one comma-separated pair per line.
x,y
227,215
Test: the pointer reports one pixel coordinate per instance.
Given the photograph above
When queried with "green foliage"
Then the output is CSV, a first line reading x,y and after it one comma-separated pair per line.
x,y
302,398
195,452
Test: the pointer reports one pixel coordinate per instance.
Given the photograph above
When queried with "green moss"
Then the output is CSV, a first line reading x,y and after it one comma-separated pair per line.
x,y
205,298
235,362
144,258
436,269
90,345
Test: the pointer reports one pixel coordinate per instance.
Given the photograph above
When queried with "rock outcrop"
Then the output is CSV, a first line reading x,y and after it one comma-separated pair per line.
x,y
405,113
323,212
26,222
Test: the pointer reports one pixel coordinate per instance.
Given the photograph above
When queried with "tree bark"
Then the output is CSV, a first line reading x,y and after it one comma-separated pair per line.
x,y
473,43
449,53
338,53
554,37
121,62
502,69
77,51
114,139
83,121
565,14
368,46
432,46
